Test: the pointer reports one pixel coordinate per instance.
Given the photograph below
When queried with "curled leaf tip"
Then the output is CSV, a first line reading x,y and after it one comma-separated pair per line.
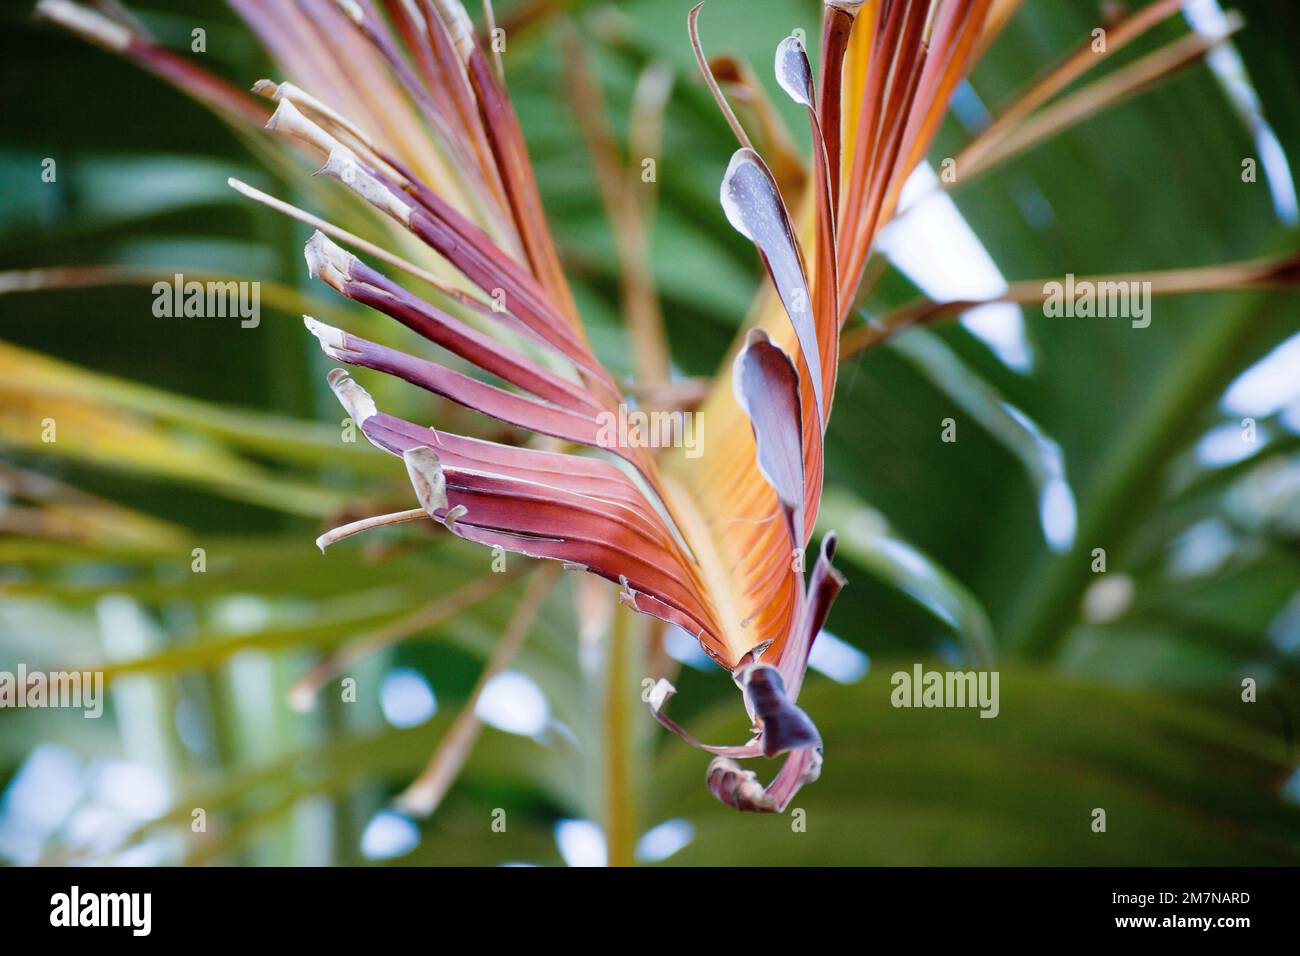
x,y
288,120
454,515
766,385
355,399
737,787
659,694
342,165
794,72
785,725
329,337
753,205
328,261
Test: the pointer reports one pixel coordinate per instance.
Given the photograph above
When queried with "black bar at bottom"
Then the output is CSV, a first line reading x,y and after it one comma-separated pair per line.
x,y
332,906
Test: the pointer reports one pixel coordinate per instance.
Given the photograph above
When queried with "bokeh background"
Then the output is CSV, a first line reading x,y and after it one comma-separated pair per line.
x,y
1120,691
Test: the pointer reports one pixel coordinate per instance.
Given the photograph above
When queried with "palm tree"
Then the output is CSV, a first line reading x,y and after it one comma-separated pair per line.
x,y
406,109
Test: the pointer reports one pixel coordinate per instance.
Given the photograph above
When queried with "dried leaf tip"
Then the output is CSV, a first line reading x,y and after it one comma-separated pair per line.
x,y
328,261
291,121
315,112
95,27
343,166
330,338
659,694
737,787
354,399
